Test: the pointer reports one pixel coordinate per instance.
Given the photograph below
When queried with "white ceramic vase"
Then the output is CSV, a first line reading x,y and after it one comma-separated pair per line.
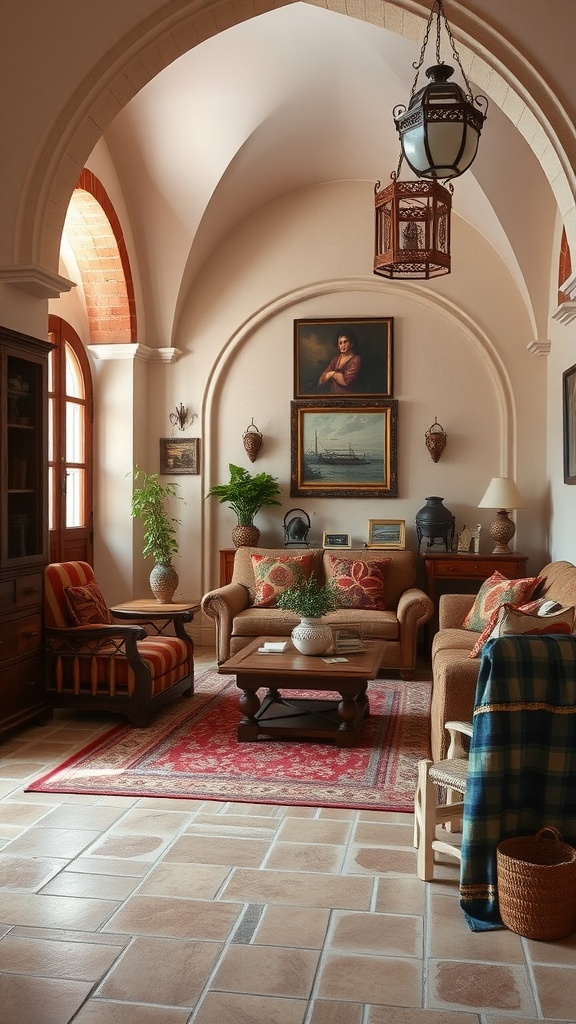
x,y
312,636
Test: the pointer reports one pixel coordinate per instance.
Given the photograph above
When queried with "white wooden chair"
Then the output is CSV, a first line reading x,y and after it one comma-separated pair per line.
x,y
450,777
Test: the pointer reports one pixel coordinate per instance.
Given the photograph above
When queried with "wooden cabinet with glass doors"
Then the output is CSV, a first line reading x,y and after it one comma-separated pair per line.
x,y
23,526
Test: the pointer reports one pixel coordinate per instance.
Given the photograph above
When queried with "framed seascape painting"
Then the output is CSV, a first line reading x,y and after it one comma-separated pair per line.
x,y
344,449
343,358
569,410
387,533
179,456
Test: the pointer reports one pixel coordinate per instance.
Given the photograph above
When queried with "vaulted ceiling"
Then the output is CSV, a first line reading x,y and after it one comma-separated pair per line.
x,y
295,97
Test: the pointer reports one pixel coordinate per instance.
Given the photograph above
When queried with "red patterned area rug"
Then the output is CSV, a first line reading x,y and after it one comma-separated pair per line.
x,y
191,751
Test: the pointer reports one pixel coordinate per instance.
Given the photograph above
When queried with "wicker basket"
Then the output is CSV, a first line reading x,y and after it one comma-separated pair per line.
x,y
537,885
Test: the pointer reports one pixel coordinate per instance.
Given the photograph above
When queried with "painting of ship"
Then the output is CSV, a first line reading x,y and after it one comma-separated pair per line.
x,y
335,456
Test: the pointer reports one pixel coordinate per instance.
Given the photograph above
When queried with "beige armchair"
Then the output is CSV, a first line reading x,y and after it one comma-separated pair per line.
x,y
406,607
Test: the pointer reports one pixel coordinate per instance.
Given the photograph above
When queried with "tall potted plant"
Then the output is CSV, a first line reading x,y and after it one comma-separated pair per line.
x,y
246,494
149,505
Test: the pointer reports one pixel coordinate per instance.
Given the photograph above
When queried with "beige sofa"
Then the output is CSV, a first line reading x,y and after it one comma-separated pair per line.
x,y
407,607
454,673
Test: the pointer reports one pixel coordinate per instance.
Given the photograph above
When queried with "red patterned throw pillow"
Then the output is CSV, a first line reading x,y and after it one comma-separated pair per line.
x,y
510,621
273,575
359,584
497,591
86,605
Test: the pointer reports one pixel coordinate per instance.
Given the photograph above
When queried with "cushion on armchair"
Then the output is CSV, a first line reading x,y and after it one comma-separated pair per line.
x,y
511,621
86,605
495,591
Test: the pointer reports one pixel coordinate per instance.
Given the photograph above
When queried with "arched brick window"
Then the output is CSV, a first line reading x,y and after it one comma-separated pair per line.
x,y
564,267
94,233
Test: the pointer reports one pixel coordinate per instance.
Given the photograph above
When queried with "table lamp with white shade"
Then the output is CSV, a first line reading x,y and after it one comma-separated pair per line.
x,y
502,494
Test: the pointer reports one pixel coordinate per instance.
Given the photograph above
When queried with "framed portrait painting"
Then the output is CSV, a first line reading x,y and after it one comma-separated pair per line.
x,y
344,358
179,455
344,448
569,413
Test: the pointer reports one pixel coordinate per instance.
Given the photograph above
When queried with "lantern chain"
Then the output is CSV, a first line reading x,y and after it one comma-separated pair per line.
x,y
438,8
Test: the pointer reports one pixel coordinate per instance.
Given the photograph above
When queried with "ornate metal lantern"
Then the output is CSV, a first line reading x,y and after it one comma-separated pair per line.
x,y
440,129
439,133
412,229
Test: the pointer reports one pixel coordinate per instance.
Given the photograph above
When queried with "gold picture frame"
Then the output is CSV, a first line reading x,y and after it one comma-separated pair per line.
x,y
344,448
387,533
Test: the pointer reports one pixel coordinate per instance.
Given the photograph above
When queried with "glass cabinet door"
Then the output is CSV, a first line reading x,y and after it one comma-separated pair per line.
x,y
24,485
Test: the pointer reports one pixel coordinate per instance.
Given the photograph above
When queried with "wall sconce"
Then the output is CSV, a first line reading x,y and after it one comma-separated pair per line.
x,y
180,418
252,439
435,440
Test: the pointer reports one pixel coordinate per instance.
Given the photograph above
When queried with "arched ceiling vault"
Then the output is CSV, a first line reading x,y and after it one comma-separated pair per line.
x,y
510,81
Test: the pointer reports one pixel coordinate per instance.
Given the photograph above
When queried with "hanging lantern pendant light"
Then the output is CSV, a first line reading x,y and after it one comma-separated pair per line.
x,y
440,129
412,229
439,133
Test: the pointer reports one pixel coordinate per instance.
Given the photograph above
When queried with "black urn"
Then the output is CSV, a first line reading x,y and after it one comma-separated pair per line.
x,y
435,522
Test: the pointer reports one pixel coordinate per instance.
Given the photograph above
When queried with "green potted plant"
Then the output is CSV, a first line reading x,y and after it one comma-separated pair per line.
x,y
311,600
246,494
149,504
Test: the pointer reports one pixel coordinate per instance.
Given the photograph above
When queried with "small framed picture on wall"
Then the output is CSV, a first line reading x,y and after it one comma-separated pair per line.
x,y
179,456
569,409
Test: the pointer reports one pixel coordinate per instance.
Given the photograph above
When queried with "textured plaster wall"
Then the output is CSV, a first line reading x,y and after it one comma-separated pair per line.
x,y
460,354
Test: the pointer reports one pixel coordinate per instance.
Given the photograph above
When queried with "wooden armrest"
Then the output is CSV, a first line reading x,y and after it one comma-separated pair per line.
x,y
456,730
95,631
156,624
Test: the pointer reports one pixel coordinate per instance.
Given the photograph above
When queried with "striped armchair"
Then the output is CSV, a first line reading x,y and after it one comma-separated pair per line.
x,y
99,665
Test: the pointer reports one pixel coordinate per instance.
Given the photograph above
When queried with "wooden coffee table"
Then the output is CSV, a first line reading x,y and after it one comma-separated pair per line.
x,y
285,717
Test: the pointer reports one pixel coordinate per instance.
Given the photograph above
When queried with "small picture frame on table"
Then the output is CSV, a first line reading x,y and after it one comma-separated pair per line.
x,y
336,540
387,533
347,639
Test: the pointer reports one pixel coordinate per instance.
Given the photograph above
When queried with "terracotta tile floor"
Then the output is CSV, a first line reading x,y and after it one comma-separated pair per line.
x,y
116,910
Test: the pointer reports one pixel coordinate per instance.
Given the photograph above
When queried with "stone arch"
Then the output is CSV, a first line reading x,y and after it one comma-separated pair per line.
x,y
475,335
179,26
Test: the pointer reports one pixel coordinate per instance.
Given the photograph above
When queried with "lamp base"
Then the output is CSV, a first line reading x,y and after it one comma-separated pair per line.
x,y
502,529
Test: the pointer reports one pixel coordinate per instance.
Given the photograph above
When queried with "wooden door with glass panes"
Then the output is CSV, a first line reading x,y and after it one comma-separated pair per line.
x,y
23,526
70,512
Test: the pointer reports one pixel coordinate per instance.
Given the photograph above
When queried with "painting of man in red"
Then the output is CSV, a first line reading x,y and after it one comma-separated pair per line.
x,y
343,370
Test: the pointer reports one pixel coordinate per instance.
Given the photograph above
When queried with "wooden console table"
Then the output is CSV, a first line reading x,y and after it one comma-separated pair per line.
x,y
226,565
443,565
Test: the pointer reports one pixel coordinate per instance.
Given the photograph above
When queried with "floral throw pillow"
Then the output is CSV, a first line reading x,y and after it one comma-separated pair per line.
x,y
86,605
531,606
359,584
274,575
510,621
497,591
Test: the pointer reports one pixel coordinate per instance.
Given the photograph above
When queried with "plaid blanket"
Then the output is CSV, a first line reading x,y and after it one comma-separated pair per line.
x,y
522,769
